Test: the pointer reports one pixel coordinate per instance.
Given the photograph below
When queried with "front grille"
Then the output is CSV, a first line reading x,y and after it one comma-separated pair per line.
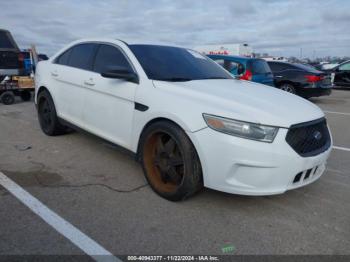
x,y
310,138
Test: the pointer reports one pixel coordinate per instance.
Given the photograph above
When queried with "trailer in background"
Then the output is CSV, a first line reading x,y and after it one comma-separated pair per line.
x,y
13,86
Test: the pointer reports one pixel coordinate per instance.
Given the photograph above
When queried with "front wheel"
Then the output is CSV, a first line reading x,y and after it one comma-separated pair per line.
x,y
170,161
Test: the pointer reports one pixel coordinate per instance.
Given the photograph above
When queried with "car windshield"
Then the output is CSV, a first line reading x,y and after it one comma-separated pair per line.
x,y
175,64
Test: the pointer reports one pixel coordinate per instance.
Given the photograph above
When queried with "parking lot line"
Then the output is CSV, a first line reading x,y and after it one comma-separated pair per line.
x,y
338,113
78,238
341,148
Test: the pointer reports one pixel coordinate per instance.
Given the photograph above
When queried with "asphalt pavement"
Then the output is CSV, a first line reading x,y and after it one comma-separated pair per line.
x,y
101,191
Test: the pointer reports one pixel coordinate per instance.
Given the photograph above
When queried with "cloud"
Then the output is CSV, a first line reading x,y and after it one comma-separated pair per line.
x,y
277,27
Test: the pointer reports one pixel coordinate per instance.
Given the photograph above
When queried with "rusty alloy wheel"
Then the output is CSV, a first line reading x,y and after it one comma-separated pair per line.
x,y
170,161
164,162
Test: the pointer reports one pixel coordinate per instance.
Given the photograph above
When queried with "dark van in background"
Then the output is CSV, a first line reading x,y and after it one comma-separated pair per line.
x,y
11,59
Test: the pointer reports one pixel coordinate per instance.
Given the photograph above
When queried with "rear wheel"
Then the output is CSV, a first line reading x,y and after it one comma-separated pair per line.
x,y
48,119
170,161
288,88
8,98
25,95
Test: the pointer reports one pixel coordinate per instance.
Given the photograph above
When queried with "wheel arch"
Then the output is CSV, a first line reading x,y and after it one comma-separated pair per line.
x,y
286,82
149,123
40,89
153,121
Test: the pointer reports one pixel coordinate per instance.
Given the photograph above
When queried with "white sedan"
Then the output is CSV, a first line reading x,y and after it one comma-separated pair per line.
x,y
189,122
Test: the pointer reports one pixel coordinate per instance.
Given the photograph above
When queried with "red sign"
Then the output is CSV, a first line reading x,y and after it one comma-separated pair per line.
x,y
224,52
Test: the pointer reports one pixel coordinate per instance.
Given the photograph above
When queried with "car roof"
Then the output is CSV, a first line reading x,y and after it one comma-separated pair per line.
x,y
126,42
110,41
280,62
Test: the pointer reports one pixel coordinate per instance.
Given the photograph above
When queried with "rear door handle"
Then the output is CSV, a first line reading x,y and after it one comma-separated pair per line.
x,y
278,76
54,74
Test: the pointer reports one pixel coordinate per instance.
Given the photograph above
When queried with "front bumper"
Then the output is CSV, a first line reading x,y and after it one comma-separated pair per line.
x,y
241,166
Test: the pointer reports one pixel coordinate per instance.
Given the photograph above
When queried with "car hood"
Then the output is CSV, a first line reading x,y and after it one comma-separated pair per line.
x,y
242,100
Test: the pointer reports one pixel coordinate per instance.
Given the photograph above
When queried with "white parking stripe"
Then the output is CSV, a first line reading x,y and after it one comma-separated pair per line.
x,y
338,113
341,148
78,238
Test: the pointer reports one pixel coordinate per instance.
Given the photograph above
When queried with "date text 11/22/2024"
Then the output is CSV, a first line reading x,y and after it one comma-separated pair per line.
x,y
173,258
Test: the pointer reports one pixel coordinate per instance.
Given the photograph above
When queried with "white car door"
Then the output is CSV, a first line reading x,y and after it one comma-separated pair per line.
x,y
69,73
109,102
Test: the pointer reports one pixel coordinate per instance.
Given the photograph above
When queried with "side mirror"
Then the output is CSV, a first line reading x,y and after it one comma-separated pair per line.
x,y
121,73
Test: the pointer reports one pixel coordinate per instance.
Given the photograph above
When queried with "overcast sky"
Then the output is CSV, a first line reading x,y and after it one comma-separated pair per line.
x,y
279,27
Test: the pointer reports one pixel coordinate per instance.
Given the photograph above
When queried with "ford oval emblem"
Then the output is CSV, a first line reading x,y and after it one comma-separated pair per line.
x,y
317,135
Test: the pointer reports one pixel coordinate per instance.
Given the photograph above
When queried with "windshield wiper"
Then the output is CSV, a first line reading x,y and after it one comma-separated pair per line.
x,y
175,79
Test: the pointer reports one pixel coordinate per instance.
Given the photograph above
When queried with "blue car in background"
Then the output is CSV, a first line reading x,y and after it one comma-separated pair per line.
x,y
246,68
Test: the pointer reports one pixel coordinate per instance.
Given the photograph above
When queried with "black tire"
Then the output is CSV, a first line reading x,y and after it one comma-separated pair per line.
x,y
8,98
47,115
25,95
170,161
288,88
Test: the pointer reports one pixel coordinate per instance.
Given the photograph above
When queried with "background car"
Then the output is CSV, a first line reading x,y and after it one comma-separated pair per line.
x,y
246,68
299,79
10,56
340,74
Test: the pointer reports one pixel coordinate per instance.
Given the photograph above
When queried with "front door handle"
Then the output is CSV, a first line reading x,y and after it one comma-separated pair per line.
x,y
89,82
54,74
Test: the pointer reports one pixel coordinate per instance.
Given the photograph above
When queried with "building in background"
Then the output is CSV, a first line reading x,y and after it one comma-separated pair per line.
x,y
226,49
275,58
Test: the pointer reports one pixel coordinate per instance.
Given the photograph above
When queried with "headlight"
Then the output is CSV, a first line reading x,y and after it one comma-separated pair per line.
x,y
241,129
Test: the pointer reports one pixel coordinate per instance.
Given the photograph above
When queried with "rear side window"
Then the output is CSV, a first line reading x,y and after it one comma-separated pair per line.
x,y
109,57
64,58
277,67
5,41
81,56
345,67
307,68
259,67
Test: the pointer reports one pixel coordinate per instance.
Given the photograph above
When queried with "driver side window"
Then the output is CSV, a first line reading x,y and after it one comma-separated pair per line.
x,y
109,57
